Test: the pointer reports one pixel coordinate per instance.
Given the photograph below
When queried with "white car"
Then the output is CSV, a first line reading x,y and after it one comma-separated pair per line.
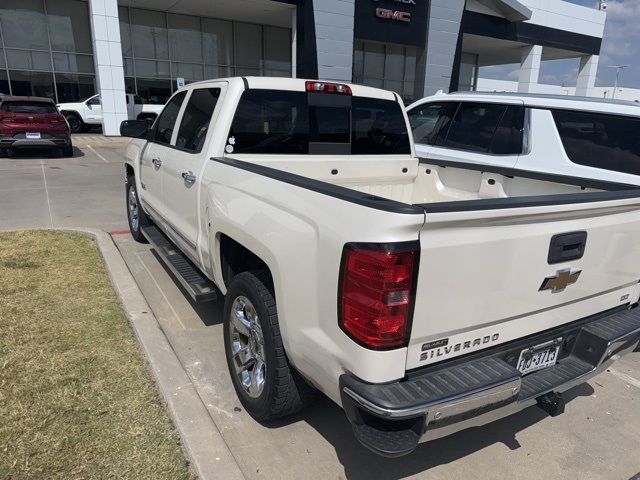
x,y
573,136
88,112
421,298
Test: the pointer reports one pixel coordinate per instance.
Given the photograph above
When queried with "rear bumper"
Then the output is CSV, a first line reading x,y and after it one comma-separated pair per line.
x,y
51,142
391,419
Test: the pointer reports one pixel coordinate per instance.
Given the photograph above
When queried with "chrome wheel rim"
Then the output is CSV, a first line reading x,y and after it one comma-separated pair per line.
x,y
247,346
133,209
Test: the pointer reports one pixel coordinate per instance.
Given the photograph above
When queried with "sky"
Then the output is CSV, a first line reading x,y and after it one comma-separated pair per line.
x,y
621,46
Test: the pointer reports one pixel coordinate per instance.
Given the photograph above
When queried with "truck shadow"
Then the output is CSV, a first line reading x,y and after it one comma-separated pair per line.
x,y
359,463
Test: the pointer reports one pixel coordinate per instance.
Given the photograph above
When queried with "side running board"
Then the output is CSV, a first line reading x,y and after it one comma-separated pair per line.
x,y
200,288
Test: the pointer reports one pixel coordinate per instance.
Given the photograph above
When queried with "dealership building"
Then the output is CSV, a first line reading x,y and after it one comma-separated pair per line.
x,y
72,49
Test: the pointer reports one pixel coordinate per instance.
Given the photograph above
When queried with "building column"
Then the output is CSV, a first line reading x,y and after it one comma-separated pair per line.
x,y
334,38
587,75
444,36
530,68
107,54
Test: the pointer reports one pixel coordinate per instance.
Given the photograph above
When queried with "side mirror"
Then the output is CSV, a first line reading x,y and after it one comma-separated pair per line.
x,y
134,129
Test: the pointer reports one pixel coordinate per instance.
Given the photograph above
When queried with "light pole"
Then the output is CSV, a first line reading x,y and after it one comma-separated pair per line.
x,y
619,69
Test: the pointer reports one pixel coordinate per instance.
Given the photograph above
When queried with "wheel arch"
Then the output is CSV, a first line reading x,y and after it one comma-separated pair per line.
x,y
235,258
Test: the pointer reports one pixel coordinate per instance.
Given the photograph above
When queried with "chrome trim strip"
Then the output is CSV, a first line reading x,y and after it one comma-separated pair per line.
x,y
454,405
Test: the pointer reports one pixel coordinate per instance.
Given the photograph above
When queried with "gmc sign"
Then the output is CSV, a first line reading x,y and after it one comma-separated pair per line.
x,y
393,15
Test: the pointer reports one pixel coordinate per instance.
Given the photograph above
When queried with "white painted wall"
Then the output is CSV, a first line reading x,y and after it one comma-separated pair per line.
x,y
567,16
556,14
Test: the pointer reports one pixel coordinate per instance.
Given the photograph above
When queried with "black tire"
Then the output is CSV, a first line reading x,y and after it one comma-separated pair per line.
x,y
142,219
285,392
76,125
67,151
4,152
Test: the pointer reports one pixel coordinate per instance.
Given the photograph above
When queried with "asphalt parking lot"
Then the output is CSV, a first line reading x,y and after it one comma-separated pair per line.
x,y
41,189
597,438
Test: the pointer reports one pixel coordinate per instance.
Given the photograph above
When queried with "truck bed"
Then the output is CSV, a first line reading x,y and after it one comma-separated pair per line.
x,y
430,183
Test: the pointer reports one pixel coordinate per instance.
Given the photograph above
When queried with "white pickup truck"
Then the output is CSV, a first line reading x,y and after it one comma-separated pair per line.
x,y
80,115
423,299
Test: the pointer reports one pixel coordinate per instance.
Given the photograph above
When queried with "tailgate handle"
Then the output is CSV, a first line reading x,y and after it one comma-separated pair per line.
x,y
567,246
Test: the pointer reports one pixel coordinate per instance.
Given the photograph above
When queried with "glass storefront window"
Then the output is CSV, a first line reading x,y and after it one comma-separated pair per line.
x,y
188,71
277,51
149,34
72,87
218,71
388,66
248,41
159,47
69,28
217,40
125,32
35,32
67,62
28,59
130,84
4,82
37,84
23,24
152,68
154,91
185,39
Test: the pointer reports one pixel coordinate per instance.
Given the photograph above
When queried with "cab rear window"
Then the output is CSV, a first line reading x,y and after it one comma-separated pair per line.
x,y
28,107
600,140
282,122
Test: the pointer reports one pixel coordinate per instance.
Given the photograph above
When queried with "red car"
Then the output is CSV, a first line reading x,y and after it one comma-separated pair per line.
x,y
31,122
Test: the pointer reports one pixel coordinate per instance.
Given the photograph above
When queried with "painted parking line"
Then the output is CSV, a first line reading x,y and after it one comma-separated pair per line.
x,y
625,378
99,155
46,189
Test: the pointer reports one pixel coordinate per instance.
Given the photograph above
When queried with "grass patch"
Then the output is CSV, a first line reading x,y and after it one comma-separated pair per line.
x,y
76,400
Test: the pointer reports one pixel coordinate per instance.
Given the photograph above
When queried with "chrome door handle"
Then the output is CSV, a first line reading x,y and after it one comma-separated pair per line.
x,y
189,177
156,162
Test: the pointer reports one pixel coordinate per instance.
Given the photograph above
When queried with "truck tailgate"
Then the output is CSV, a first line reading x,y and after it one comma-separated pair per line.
x,y
487,277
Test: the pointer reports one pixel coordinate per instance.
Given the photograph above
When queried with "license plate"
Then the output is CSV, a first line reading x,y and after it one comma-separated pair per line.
x,y
541,356
33,136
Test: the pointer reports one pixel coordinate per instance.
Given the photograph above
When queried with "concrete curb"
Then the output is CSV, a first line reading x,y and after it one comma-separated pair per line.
x,y
206,449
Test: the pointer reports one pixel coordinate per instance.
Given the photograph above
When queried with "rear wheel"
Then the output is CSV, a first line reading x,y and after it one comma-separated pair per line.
x,y
67,151
135,214
266,384
76,125
4,152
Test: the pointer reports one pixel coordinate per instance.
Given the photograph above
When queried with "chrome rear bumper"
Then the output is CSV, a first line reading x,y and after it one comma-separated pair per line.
x,y
391,419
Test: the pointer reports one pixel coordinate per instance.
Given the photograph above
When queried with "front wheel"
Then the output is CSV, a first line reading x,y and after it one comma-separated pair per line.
x,y
135,214
266,384
76,125
4,152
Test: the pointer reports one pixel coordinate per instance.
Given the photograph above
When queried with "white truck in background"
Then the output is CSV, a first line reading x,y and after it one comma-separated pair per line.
x,y
422,298
80,115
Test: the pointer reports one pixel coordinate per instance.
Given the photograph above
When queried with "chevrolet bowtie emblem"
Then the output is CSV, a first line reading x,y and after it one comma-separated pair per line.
x,y
560,281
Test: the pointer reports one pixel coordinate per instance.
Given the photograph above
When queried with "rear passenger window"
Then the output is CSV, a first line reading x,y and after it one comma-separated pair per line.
x,y
196,118
599,140
167,120
474,126
509,136
428,120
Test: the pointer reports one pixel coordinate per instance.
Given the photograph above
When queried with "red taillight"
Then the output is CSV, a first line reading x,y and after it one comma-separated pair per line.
x,y
324,87
376,294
